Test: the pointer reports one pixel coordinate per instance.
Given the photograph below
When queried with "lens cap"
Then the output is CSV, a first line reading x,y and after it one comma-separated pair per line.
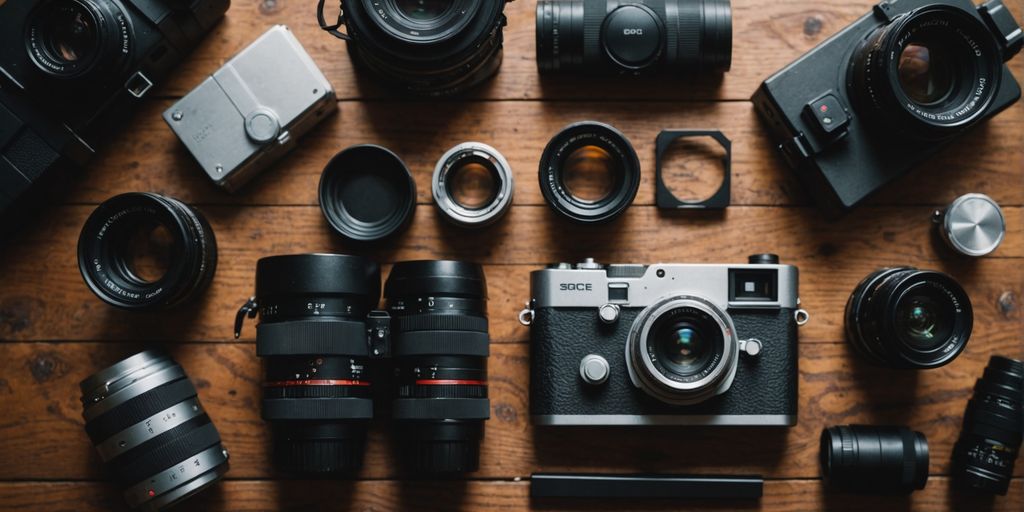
x,y
367,193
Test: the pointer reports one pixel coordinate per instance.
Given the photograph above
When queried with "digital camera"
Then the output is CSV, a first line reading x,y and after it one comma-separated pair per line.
x,y
887,92
664,344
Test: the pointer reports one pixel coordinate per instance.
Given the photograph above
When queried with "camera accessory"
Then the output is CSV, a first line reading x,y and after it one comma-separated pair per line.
x,y
578,485
107,251
427,47
984,455
72,72
665,198
972,225
153,435
473,185
679,35
439,319
589,172
874,460
908,318
242,118
317,333
367,193
889,91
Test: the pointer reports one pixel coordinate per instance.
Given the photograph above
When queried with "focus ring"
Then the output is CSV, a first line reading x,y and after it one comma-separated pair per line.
x,y
163,457
441,409
138,409
317,409
440,323
310,337
456,343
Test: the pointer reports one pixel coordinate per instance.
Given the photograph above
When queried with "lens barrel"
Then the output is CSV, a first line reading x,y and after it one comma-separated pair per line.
x,y
494,177
441,344
104,251
312,335
874,460
908,318
76,39
990,440
153,435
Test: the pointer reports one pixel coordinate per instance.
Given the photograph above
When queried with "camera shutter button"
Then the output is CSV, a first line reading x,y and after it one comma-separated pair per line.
x,y
594,369
262,126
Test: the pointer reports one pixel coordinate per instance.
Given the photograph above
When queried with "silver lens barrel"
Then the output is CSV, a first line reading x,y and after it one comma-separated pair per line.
x,y
480,168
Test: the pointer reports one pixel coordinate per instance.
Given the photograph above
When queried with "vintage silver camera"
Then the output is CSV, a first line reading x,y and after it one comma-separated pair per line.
x,y
251,111
664,344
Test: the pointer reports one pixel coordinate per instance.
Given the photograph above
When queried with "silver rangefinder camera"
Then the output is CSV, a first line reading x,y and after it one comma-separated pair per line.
x,y
251,111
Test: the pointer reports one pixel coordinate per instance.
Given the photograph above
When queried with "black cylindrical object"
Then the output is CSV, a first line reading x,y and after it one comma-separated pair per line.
x,y
874,460
367,193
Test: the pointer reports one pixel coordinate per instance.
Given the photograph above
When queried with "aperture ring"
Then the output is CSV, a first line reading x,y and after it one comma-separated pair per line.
x,y
157,459
317,409
138,409
440,323
455,343
149,428
441,408
312,337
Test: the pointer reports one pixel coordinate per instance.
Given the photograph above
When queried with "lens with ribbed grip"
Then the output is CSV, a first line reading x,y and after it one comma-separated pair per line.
x,y
874,460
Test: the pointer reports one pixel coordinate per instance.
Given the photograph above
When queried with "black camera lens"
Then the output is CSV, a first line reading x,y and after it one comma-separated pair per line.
x,y
367,193
117,245
909,318
679,35
441,344
427,47
71,38
312,335
589,172
929,72
684,344
874,460
984,455
154,436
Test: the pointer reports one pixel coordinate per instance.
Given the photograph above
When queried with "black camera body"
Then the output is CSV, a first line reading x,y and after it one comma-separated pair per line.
x,y
71,73
587,358
888,91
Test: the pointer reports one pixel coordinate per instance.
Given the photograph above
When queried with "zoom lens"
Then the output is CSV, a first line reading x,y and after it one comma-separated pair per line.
x,y
595,36
473,185
312,335
929,73
682,350
427,47
71,38
141,251
153,435
439,311
874,460
984,455
589,173
909,318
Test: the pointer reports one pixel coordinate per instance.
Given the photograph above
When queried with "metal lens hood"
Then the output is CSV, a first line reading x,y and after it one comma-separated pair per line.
x,y
446,175
367,193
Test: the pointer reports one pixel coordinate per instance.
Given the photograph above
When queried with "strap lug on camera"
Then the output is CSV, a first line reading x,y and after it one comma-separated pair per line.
x,y
332,29
526,315
248,309
378,334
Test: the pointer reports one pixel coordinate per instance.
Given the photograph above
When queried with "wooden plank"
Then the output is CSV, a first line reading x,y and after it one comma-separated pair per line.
x,y
44,298
42,420
148,157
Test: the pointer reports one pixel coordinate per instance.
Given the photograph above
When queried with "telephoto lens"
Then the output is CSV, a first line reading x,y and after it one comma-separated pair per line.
x,y
314,324
984,456
440,348
874,460
153,435
595,36
111,252
426,47
909,318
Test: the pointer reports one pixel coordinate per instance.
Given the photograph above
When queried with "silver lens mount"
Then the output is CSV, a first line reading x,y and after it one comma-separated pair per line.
x,y
716,372
456,167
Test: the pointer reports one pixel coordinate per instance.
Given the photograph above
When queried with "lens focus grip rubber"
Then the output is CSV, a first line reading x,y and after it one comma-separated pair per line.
x,y
454,343
311,337
291,409
441,409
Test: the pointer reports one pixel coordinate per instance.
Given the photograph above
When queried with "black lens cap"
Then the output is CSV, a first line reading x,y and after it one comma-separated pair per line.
x,y
367,193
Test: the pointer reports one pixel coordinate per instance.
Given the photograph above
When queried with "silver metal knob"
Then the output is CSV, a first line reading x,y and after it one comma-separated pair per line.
x,y
594,369
609,313
589,264
973,224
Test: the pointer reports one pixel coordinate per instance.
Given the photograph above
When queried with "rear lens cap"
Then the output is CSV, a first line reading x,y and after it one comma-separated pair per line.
x,y
367,193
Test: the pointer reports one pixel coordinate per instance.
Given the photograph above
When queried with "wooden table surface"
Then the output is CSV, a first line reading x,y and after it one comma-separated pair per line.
x,y
55,332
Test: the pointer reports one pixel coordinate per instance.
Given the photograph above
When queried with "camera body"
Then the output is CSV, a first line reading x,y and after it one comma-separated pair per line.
x,y
847,116
591,363
71,73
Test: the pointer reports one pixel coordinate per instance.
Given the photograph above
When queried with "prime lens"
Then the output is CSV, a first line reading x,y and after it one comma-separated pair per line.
x,y
69,39
984,455
154,436
874,460
909,318
111,250
473,185
441,344
312,335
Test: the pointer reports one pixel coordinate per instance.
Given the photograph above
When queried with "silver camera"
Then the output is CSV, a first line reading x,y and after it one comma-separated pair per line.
x,y
252,110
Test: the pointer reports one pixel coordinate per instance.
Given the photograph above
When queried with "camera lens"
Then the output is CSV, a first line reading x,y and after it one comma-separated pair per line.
x,y
984,455
70,38
589,173
313,338
154,436
428,47
928,73
473,185
875,460
439,311
682,350
114,247
909,318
